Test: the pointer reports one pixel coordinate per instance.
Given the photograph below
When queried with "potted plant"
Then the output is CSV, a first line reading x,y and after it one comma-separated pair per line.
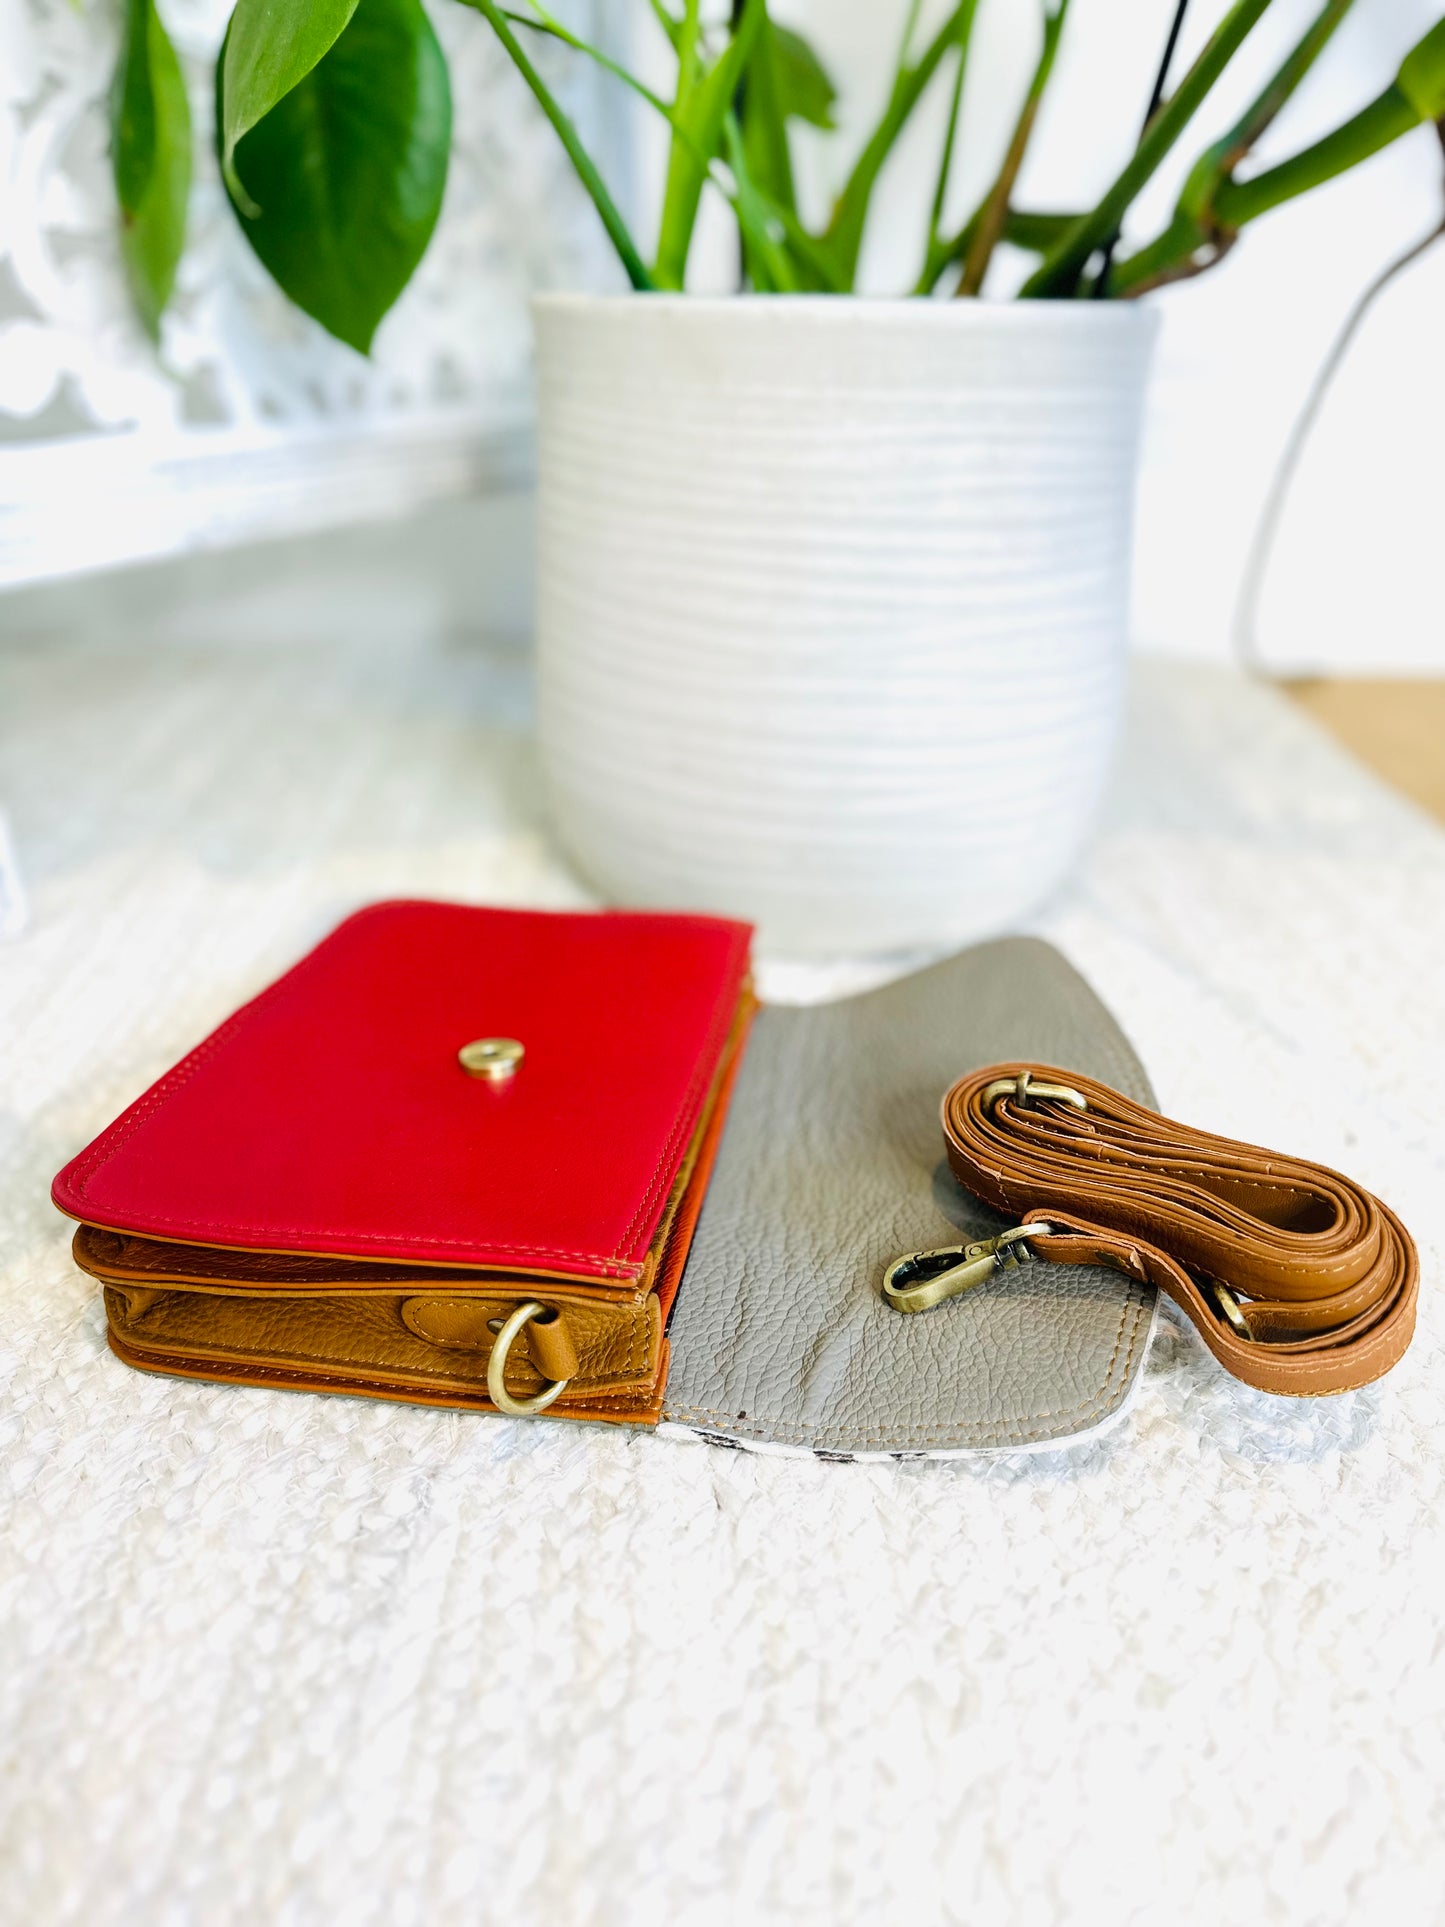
x,y
832,590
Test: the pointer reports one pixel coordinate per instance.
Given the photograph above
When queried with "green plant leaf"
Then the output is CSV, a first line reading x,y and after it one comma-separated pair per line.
x,y
271,46
343,178
151,158
764,128
133,108
784,80
804,90
1421,78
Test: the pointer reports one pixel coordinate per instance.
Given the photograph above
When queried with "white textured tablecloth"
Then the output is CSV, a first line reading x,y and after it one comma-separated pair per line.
x,y
269,1658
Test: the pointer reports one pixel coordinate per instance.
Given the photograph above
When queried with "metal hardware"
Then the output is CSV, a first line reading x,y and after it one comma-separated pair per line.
x,y
922,1279
1228,1303
1023,1088
493,1058
497,1392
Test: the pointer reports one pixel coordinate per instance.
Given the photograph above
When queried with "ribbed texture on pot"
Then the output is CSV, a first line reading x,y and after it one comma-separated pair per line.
x,y
832,602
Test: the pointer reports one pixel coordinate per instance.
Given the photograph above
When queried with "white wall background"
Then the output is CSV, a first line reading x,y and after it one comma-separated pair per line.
x,y
1354,583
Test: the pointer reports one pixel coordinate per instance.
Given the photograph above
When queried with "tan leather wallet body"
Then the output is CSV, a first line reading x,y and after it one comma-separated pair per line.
x,y
409,1332
512,1161
346,1188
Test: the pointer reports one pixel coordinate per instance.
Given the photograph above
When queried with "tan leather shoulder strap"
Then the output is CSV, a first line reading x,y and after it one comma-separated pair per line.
x,y
1298,1280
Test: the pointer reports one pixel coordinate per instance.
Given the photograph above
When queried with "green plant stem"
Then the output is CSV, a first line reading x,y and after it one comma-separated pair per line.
x,y
945,159
1058,273
992,214
1386,118
808,251
1023,228
1099,284
769,260
844,235
1227,153
705,96
567,133
668,22
1193,239
752,207
545,23
943,251
1182,250
1189,245
915,7
675,224
1213,206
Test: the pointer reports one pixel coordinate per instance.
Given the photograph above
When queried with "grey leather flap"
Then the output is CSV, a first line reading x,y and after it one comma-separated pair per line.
x,y
832,1166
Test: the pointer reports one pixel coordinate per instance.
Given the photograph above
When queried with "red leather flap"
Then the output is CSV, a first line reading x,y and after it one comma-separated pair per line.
x,y
330,1114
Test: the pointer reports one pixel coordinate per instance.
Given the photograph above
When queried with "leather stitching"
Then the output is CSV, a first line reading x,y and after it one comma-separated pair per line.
x,y
628,1368
179,1365
635,1354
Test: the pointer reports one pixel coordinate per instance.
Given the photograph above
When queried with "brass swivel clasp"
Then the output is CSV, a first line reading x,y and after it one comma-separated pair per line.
x,y
922,1279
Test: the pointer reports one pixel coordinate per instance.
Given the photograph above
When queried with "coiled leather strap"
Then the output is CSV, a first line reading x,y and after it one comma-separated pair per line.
x,y
1298,1280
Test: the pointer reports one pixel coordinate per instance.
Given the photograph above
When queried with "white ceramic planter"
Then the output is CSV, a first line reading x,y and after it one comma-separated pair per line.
x,y
833,602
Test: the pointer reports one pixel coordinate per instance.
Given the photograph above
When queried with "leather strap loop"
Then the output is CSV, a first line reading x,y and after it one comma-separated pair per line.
x,y
1322,1276
551,1347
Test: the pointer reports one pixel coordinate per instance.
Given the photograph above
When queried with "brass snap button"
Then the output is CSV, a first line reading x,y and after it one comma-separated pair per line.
x,y
493,1058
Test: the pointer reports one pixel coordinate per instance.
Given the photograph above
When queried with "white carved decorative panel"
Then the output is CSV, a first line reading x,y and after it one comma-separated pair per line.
x,y
153,451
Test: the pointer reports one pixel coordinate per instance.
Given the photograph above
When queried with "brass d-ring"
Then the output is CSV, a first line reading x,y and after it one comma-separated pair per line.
x,y
1023,1088
1228,1303
497,1364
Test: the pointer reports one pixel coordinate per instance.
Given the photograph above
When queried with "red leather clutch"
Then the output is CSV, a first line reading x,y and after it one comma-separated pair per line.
x,y
329,1138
